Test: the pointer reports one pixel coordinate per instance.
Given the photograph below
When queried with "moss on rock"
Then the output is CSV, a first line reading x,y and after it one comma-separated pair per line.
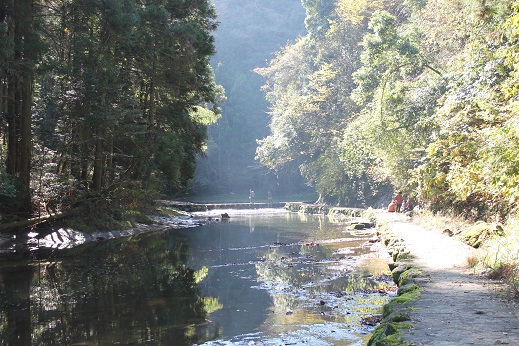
x,y
480,232
399,270
400,303
388,334
407,288
395,316
399,317
408,276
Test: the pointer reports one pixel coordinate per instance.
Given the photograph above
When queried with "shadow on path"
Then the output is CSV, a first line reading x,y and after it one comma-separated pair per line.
x,y
456,306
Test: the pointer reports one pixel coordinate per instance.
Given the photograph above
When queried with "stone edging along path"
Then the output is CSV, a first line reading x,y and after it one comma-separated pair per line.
x,y
440,301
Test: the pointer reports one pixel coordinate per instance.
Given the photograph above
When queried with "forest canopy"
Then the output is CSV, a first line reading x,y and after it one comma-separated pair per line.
x,y
412,95
102,100
107,101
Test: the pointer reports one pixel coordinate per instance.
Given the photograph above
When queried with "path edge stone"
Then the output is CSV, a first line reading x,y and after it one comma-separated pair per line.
x,y
406,276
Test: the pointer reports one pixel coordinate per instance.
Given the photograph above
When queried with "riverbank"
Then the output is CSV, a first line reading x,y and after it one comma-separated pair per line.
x,y
50,237
47,236
456,305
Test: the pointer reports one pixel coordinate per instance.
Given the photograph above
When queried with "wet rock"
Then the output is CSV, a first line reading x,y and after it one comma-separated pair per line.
x,y
361,224
371,320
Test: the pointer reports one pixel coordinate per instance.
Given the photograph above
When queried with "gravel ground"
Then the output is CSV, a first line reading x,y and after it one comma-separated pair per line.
x,y
457,306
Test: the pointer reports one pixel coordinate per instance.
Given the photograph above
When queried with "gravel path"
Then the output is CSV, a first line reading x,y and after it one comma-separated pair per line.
x,y
457,306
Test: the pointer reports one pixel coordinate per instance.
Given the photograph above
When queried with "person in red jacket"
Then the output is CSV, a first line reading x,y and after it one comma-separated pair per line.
x,y
399,199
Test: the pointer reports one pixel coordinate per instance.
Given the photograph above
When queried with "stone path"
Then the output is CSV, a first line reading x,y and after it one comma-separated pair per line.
x,y
457,306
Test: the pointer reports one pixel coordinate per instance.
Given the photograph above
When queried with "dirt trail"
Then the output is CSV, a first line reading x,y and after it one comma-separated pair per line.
x,y
457,306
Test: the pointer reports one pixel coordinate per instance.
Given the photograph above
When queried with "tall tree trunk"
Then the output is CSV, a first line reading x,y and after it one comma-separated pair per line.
x,y
26,139
26,29
110,160
20,97
152,106
75,153
97,179
12,132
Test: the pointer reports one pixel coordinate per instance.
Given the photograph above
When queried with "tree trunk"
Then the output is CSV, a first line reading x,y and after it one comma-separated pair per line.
x,y
26,139
110,160
152,107
26,97
20,97
98,162
12,138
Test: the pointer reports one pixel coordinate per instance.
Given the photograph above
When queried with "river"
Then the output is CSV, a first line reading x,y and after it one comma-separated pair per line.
x,y
264,277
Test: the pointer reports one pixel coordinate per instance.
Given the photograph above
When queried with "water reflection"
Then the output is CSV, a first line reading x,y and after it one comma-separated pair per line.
x,y
272,278
321,279
136,290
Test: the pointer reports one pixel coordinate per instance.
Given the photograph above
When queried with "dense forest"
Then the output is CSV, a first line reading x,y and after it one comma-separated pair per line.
x,y
102,102
415,95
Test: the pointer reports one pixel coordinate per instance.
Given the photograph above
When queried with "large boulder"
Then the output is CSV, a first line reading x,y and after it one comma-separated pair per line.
x,y
481,232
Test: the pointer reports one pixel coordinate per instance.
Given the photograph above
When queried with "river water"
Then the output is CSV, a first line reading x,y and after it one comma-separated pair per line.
x,y
266,277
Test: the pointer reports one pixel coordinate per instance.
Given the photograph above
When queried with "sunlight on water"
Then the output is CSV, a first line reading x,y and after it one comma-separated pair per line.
x,y
320,286
261,277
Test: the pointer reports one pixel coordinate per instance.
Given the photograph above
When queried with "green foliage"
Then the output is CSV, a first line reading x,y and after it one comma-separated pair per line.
x,y
308,84
471,166
7,188
124,92
318,15
200,275
168,155
211,304
203,116
415,5
428,103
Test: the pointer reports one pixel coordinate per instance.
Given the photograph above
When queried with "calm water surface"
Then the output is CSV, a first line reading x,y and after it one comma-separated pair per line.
x,y
264,278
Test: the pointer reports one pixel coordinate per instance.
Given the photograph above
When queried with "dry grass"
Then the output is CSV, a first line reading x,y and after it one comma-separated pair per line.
x,y
472,261
436,222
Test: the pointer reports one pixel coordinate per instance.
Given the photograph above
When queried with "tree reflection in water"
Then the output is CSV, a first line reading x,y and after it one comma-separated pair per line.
x,y
316,286
134,290
273,278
